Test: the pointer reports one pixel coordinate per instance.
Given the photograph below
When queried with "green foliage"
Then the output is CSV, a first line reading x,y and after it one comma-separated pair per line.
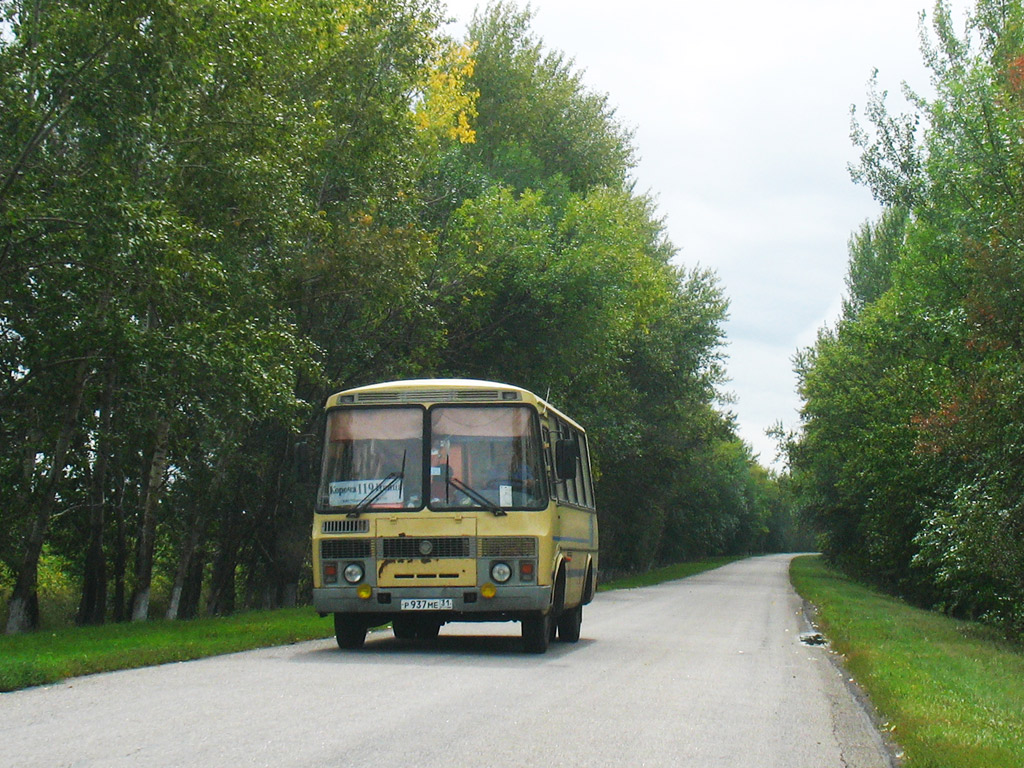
x,y
58,589
212,215
537,122
874,251
909,458
969,548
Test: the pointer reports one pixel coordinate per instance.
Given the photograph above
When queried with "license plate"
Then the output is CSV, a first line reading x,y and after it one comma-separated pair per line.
x,y
427,604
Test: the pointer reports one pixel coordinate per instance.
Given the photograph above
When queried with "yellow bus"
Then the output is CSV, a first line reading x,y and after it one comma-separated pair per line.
x,y
446,500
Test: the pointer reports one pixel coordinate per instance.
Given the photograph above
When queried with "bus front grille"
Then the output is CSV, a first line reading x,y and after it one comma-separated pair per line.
x,y
412,547
346,526
508,546
343,549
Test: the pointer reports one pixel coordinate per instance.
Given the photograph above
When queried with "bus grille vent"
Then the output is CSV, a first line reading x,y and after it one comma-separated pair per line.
x,y
343,549
508,546
438,396
346,526
413,547
484,396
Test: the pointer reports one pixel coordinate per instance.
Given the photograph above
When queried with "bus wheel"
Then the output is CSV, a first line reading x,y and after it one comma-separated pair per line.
x,y
537,632
569,625
588,593
427,629
349,630
404,627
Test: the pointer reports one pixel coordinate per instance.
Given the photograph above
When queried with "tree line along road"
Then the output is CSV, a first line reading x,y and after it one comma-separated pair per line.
x,y
708,671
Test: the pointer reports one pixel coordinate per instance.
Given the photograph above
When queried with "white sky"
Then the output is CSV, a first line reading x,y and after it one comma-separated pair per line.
x,y
741,112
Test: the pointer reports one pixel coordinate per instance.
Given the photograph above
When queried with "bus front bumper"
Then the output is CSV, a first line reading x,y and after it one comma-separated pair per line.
x,y
467,603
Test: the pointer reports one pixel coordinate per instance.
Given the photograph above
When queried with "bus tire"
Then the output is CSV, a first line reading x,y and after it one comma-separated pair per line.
x,y
415,628
427,629
537,632
591,585
404,627
349,631
569,624
558,602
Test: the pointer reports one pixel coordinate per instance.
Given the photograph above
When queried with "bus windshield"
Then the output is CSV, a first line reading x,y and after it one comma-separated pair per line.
x,y
480,457
485,453
373,459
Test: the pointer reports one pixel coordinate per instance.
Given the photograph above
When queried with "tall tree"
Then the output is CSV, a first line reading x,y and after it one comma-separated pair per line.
x,y
911,440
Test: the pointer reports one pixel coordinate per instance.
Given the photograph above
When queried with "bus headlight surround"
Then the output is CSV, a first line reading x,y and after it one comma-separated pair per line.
x,y
501,572
353,573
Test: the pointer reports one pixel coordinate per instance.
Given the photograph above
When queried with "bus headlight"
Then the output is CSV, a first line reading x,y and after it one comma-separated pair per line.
x,y
353,573
501,572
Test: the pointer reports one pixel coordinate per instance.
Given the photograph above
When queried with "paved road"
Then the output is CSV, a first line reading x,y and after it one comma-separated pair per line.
x,y
704,672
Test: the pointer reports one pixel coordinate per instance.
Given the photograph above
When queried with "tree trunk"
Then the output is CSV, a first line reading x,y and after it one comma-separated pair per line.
x,y
175,600
222,588
189,546
192,589
23,606
290,598
120,557
147,529
225,564
92,608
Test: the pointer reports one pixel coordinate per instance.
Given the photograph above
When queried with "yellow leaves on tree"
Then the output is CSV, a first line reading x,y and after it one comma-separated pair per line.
x,y
447,104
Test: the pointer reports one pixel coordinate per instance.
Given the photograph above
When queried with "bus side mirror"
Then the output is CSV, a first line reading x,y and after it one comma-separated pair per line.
x,y
566,454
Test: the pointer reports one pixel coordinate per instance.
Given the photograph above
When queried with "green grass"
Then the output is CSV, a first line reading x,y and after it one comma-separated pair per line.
x,y
668,573
951,692
47,657
50,656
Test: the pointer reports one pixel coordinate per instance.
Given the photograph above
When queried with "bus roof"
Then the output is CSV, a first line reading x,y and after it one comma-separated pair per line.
x,y
441,391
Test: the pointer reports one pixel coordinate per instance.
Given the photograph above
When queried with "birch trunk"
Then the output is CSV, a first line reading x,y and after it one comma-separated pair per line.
x,y
147,530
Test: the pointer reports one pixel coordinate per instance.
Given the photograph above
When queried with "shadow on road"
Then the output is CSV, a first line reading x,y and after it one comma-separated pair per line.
x,y
485,650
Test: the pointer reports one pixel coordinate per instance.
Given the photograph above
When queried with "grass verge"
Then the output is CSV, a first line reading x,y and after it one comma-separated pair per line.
x,y
951,691
48,657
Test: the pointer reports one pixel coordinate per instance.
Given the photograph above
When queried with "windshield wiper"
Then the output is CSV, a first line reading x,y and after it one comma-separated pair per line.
x,y
375,494
476,496
377,491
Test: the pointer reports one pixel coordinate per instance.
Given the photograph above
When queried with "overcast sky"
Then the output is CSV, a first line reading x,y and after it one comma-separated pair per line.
x,y
741,113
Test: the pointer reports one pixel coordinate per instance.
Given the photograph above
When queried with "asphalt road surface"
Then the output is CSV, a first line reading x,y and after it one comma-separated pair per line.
x,y
705,672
